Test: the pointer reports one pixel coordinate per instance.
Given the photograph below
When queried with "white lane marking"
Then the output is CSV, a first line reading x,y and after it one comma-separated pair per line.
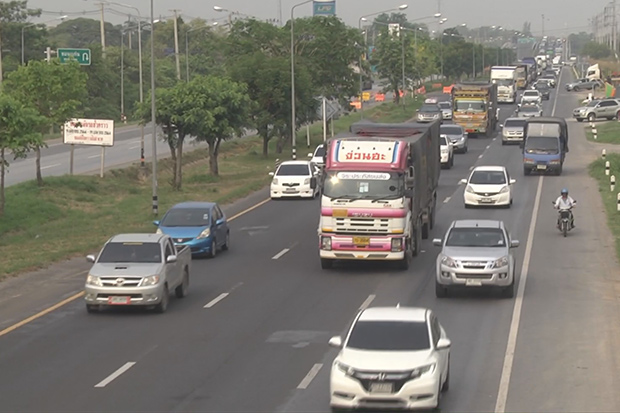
x,y
115,375
50,166
281,253
310,376
504,383
488,146
480,156
94,156
367,302
445,201
216,300
494,139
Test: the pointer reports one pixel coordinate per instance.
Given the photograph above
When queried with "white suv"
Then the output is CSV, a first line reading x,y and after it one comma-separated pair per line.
x,y
531,96
391,358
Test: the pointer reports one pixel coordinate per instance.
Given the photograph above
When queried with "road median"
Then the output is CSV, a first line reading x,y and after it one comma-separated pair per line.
x,y
606,132
609,195
74,215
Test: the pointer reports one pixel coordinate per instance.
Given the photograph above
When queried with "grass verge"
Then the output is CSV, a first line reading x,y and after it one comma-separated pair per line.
x,y
607,132
597,171
74,215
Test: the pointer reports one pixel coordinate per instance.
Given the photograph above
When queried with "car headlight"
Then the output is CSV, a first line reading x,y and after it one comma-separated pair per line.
x,y
501,262
503,190
307,181
150,280
469,189
159,231
444,151
93,280
348,370
448,262
204,234
415,373
274,181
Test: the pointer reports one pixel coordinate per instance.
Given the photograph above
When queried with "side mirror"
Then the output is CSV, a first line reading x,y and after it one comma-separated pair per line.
x,y
271,173
463,181
409,193
90,258
309,155
514,243
156,223
437,242
501,125
219,221
512,181
171,259
335,341
443,344
313,182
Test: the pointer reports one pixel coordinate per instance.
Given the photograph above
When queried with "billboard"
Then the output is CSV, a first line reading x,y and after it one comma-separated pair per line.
x,y
324,8
97,132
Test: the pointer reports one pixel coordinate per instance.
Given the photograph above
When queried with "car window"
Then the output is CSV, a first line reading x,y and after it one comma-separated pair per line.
x,y
429,108
487,178
389,335
444,141
529,108
451,129
217,214
320,151
219,211
169,250
293,170
186,217
476,237
145,252
436,329
514,123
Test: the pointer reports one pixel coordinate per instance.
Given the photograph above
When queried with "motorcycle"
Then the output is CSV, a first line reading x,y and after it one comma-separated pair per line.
x,y
565,219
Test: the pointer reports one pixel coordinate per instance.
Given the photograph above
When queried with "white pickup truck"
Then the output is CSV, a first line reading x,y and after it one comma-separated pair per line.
x,y
137,270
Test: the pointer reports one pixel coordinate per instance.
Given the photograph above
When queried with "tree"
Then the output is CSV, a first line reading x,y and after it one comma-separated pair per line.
x,y
13,16
19,133
53,89
389,59
220,110
83,32
595,50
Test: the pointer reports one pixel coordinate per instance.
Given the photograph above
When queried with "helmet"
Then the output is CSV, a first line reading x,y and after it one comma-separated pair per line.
x,y
564,191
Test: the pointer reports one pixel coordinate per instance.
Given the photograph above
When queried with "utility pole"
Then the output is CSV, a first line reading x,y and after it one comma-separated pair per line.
x,y
176,43
614,29
279,13
543,24
102,28
1,74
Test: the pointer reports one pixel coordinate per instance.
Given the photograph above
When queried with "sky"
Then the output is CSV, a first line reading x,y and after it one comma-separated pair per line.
x,y
511,14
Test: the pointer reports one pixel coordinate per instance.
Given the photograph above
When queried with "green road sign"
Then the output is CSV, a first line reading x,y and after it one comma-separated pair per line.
x,y
82,56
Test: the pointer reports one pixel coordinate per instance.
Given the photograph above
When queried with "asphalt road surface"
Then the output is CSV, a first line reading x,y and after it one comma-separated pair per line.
x,y
252,334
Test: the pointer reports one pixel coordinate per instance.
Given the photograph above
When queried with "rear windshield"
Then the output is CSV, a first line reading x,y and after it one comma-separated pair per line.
x,y
131,252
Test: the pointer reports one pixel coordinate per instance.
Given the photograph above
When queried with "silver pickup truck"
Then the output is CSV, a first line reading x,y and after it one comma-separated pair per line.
x,y
137,270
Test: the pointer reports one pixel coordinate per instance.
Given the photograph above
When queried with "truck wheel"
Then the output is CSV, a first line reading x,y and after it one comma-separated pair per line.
x,y
92,308
181,290
440,290
163,304
526,171
404,263
558,171
326,264
417,237
226,245
432,217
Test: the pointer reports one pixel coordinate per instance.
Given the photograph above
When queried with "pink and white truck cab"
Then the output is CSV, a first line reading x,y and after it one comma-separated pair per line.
x,y
379,192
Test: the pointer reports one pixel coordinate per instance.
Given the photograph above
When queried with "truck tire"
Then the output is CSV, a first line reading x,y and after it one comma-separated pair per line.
x,y
406,261
181,290
558,171
526,171
431,220
163,304
326,264
441,291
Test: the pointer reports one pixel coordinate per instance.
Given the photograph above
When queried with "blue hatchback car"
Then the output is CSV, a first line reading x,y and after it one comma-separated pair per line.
x,y
200,225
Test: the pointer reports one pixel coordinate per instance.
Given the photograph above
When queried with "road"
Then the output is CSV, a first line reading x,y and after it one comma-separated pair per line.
x,y
55,159
252,334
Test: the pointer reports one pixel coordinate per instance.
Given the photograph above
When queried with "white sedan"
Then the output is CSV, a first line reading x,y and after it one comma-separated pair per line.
x,y
447,152
295,179
391,358
488,186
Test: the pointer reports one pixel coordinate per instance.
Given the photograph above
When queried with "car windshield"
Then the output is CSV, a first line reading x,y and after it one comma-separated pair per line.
x,y
320,151
389,336
147,252
541,86
487,178
445,105
364,185
293,170
542,145
529,108
429,108
186,217
451,130
514,123
475,106
476,237
530,94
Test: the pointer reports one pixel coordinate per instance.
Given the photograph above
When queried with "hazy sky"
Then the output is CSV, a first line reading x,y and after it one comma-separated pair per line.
x,y
560,15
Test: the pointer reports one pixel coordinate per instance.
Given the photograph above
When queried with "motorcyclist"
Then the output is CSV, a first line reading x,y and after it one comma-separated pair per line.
x,y
565,202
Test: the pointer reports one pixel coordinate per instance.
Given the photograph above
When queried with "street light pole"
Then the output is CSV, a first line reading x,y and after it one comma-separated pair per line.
x,y
293,116
153,124
402,36
122,75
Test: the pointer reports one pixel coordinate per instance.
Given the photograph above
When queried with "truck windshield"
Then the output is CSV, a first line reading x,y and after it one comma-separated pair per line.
x,y
147,252
474,106
364,185
542,145
504,82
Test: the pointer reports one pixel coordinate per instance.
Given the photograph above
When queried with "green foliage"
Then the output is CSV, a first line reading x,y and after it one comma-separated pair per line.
x,y
595,50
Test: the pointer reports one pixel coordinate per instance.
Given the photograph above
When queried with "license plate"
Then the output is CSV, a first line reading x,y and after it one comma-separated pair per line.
x,y
381,388
340,213
290,190
361,241
541,166
116,300
472,282
486,200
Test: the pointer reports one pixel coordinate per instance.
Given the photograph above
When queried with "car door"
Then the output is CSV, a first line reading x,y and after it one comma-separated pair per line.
x,y
437,333
220,228
171,270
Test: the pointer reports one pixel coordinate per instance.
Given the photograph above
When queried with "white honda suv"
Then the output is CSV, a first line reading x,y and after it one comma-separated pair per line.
x,y
391,358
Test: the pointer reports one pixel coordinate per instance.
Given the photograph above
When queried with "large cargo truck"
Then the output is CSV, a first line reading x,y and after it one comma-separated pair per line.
x,y
505,77
474,107
379,192
522,75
